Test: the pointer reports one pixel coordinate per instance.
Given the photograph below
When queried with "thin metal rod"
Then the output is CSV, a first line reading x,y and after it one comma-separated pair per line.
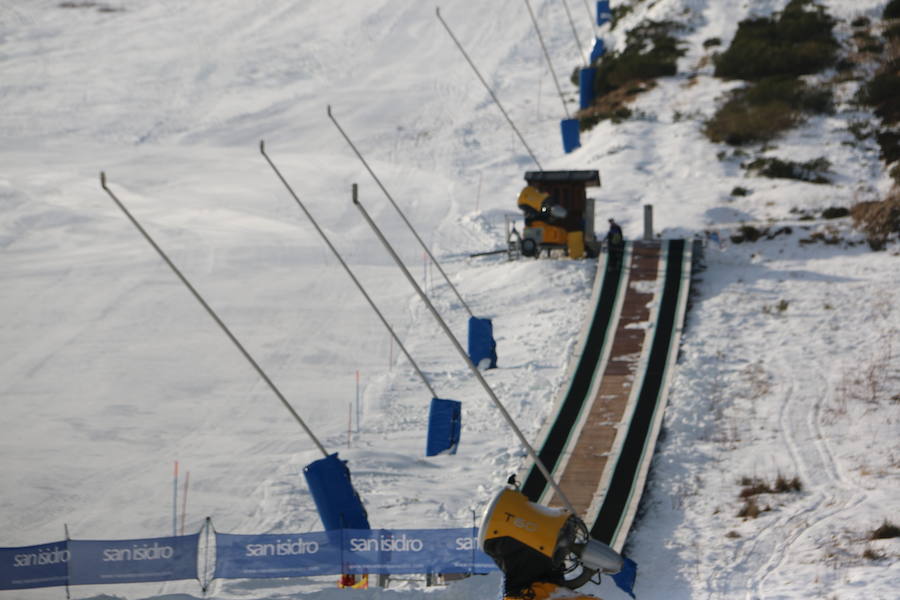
x,y
68,539
488,88
468,361
214,316
591,16
262,149
575,33
547,56
400,212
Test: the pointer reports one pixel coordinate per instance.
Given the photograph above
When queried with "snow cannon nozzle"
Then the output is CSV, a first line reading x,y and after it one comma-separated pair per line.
x,y
103,180
262,146
533,543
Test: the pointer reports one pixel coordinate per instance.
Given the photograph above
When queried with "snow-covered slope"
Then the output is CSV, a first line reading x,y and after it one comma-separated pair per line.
x,y
110,371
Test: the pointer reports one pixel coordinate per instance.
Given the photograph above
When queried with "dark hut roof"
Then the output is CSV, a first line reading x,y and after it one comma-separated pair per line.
x,y
586,178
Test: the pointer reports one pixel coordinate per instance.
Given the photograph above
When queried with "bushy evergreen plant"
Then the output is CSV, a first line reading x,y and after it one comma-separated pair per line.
x,y
799,41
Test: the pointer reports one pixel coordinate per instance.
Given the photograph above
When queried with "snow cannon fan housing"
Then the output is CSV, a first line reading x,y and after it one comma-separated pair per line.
x,y
530,543
558,213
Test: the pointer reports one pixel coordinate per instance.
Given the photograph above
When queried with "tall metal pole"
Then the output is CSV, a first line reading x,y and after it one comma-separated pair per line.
x,y
488,88
214,316
547,56
400,212
575,33
262,149
468,361
591,16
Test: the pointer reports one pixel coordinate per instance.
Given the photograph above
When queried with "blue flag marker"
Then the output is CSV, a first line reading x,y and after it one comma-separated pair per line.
x,y
338,503
625,578
444,426
482,347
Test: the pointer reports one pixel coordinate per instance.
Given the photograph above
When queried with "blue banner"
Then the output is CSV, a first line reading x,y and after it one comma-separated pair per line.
x,y
277,555
133,561
351,551
348,551
45,565
398,551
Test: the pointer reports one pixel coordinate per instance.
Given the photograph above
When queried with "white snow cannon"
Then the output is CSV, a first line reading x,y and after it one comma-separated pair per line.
x,y
533,543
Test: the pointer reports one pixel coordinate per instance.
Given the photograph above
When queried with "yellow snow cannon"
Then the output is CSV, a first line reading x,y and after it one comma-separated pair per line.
x,y
558,213
535,544
543,216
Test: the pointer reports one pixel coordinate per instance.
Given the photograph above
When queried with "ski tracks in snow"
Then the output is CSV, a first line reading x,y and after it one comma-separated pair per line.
x,y
815,464
827,494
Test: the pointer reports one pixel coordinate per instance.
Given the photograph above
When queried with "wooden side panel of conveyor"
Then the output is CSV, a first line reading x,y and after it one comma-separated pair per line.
x,y
586,460
601,450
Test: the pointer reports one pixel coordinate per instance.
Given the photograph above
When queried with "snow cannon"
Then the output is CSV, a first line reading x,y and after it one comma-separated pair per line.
x,y
558,214
543,219
533,543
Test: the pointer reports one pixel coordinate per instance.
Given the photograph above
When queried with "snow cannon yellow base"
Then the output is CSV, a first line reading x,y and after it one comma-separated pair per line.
x,y
532,543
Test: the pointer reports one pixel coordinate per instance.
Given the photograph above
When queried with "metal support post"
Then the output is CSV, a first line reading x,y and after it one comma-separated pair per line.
x,y
400,212
465,357
214,316
359,286
488,88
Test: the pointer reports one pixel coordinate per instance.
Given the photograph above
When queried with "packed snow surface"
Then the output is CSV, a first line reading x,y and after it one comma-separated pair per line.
x,y
110,371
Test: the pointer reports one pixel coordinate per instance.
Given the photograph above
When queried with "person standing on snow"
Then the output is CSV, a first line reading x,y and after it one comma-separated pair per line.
x,y
615,242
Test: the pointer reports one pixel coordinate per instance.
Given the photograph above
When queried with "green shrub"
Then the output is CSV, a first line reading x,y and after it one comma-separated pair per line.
x,y
892,32
760,112
835,212
754,486
751,509
799,42
812,171
887,530
747,233
883,93
878,220
793,91
892,10
784,485
616,115
738,123
619,12
740,191
889,141
650,51
895,173
866,42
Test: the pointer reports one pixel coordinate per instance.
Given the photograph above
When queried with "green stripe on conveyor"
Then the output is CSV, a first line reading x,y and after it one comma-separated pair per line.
x,y
580,386
619,493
